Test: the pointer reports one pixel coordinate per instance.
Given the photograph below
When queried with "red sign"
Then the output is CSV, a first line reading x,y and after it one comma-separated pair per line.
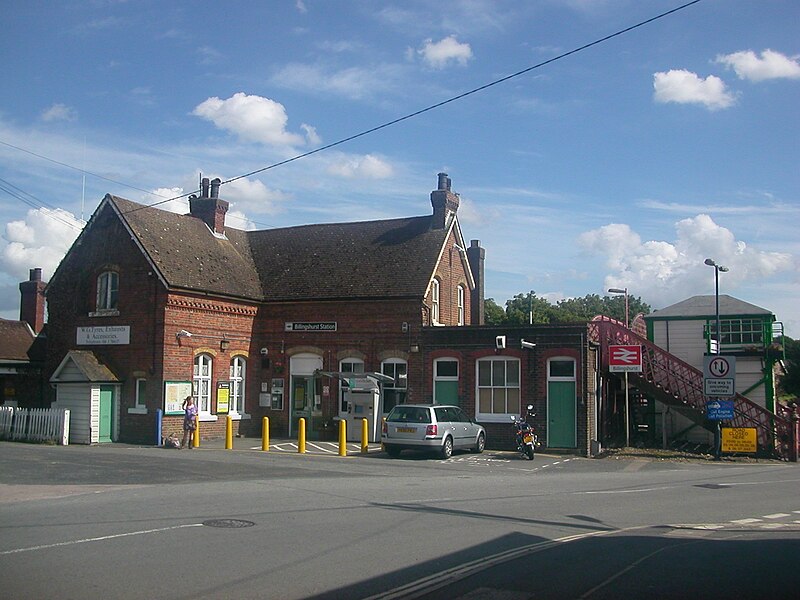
x,y
624,358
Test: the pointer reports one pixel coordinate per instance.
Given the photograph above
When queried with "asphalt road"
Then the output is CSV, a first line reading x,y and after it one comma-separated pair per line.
x,y
115,521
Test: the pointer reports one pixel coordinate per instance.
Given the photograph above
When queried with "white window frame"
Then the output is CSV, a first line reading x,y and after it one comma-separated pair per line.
x,y
493,417
139,401
460,305
202,398
107,298
237,379
403,381
437,377
348,365
435,301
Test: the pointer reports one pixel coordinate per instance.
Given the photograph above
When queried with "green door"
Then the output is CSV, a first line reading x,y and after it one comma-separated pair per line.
x,y
561,412
445,392
106,410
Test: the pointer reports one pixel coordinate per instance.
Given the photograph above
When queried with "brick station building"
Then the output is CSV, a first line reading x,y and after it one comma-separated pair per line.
x,y
149,306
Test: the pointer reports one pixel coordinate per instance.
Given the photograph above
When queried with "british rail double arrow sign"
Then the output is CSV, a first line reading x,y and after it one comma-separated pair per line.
x,y
625,358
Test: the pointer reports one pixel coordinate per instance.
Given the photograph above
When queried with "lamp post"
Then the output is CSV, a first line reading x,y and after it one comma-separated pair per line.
x,y
718,335
627,404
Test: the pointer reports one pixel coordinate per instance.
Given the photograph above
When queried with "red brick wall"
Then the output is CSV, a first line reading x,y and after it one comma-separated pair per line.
x,y
451,272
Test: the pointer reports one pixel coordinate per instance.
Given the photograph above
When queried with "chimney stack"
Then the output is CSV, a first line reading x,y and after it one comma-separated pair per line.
x,y
445,203
476,256
31,307
210,208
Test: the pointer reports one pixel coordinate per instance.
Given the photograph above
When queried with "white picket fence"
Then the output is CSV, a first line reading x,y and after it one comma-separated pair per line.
x,y
35,424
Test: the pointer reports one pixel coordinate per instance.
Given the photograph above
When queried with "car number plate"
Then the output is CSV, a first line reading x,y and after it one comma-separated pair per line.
x,y
527,438
405,430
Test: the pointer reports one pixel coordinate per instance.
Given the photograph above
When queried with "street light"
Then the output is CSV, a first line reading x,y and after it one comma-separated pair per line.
x,y
621,291
627,404
717,268
718,334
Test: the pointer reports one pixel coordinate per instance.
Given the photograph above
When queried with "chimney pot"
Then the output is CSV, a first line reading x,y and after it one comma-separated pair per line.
x,y
204,187
215,183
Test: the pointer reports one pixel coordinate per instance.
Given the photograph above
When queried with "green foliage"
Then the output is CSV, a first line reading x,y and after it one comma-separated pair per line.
x,y
524,307
493,314
790,383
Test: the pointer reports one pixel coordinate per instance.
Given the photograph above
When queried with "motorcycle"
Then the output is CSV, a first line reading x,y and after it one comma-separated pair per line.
x,y
525,434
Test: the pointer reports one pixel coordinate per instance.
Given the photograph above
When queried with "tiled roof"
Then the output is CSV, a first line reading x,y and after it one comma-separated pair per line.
x,y
17,339
705,306
370,259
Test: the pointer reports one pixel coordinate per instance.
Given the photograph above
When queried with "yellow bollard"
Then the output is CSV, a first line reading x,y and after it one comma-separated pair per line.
x,y
229,433
342,437
196,434
301,435
265,434
364,436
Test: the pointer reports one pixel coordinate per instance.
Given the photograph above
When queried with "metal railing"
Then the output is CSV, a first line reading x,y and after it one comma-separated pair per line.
x,y
678,383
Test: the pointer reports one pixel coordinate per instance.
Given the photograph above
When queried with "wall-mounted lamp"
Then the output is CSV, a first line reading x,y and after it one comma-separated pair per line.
x,y
415,348
224,344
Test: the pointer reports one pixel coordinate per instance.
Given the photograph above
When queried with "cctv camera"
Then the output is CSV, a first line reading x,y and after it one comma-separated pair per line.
x,y
528,345
264,351
500,342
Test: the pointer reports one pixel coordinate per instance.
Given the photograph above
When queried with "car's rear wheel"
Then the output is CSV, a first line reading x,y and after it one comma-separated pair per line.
x,y
392,451
480,444
447,448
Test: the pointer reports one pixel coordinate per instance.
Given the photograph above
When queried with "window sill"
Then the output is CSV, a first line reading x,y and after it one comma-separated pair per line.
x,y
494,418
206,417
137,411
105,312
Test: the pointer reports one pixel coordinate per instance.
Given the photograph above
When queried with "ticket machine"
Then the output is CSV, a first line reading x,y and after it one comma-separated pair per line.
x,y
362,391
363,397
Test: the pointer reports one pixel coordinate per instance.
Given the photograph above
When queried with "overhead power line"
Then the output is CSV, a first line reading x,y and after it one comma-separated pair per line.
x,y
464,94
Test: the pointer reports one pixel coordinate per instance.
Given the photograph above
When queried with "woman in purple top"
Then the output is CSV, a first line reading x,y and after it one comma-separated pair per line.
x,y
189,420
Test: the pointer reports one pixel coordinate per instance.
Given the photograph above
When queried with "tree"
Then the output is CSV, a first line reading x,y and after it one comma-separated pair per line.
x,y
790,383
492,313
574,310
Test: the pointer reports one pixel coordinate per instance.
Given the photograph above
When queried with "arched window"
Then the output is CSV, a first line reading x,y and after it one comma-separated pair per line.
x,y
394,393
201,382
237,377
348,365
107,290
435,301
460,304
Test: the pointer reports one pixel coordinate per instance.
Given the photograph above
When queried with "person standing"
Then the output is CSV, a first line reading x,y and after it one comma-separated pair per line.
x,y
189,420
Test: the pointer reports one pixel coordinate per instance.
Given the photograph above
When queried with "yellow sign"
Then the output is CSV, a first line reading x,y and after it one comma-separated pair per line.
x,y
223,396
739,439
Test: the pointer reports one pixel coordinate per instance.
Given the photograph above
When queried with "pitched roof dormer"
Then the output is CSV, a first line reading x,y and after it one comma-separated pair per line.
x,y
210,208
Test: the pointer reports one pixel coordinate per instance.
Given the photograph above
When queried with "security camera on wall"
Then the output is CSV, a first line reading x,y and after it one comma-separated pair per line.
x,y
500,342
526,344
264,351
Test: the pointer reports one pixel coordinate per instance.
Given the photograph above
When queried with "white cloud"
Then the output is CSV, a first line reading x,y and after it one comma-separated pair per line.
x,y
355,83
168,200
685,87
40,240
663,272
771,65
449,50
252,118
59,112
368,166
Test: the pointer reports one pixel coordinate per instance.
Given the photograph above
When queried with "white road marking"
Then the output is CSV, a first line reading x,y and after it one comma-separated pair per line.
x,y
745,521
98,539
777,516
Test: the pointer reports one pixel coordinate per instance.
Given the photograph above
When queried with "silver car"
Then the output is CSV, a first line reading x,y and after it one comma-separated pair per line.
x,y
435,427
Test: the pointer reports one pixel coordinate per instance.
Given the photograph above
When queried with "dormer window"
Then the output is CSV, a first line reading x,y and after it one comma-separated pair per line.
x,y
107,293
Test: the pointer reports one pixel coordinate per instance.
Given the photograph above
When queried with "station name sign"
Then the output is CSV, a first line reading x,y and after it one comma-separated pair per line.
x,y
111,335
310,326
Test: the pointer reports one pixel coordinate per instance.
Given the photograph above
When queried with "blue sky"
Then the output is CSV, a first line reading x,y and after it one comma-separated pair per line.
x,y
623,165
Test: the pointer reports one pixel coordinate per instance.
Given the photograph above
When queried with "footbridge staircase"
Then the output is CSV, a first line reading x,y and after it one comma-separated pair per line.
x,y
677,384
